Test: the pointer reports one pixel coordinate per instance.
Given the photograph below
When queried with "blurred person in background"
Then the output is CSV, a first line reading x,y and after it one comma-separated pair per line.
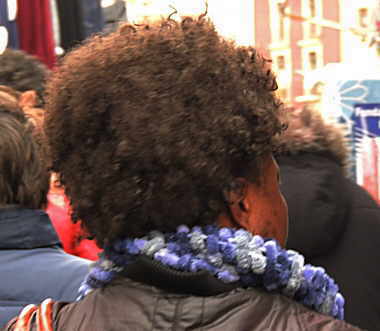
x,y
163,138
27,76
23,72
33,265
332,220
9,102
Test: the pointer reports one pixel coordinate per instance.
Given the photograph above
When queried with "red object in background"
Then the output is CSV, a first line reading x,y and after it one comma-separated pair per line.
x,y
71,234
370,158
36,29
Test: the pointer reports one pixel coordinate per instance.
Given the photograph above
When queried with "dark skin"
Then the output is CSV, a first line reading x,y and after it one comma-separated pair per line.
x,y
259,208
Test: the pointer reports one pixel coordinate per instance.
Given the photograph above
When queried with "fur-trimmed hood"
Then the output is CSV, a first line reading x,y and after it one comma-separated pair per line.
x,y
309,132
313,157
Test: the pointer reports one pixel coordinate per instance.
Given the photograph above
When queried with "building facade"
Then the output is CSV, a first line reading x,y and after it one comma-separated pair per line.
x,y
301,37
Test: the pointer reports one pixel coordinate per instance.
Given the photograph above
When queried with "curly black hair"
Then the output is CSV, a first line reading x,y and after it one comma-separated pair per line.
x,y
148,126
23,72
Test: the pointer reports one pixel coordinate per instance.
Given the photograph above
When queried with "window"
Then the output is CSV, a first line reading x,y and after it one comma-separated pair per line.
x,y
312,60
312,8
313,14
281,25
363,17
317,89
281,62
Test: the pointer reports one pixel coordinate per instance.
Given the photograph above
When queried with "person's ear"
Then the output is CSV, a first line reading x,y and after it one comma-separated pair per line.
x,y
28,99
238,204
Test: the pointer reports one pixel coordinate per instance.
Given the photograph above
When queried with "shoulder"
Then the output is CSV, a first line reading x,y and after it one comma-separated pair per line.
x,y
284,314
36,318
236,310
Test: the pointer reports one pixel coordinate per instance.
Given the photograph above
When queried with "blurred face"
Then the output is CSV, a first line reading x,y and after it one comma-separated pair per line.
x,y
260,208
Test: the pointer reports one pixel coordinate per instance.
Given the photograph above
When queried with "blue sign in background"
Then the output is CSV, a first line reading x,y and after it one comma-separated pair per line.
x,y
366,119
357,101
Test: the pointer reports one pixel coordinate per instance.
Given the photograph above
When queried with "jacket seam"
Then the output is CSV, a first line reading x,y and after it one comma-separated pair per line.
x,y
369,207
154,313
302,322
177,313
203,313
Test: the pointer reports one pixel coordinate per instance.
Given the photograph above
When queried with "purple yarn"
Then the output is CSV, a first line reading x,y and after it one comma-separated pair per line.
x,y
139,243
212,244
132,248
227,277
231,256
216,260
174,247
256,242
102,275
184,262
210,229
166,258
225,234
183,229
198,265
250,280
229,252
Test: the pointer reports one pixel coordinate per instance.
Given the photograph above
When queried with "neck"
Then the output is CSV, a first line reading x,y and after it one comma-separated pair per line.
x,y
258,228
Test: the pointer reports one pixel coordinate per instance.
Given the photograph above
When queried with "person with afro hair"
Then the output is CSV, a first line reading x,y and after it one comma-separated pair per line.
x,y
163,136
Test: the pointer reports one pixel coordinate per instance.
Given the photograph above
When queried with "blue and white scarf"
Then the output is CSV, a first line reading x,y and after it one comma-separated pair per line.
x,y
231,256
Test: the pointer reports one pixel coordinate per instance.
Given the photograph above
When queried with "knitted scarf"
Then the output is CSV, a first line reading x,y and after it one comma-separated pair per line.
x,y
231,256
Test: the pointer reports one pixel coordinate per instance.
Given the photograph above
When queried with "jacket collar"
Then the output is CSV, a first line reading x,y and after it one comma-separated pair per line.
x,y
25,228
200,283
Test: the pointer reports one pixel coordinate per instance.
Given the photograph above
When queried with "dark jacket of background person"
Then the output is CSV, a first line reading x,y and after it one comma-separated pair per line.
x,y
332,221
71,23
114,15
33,265
93,21
130,305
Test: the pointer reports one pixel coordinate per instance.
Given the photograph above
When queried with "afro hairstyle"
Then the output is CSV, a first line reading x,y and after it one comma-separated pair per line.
x,y
149,125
